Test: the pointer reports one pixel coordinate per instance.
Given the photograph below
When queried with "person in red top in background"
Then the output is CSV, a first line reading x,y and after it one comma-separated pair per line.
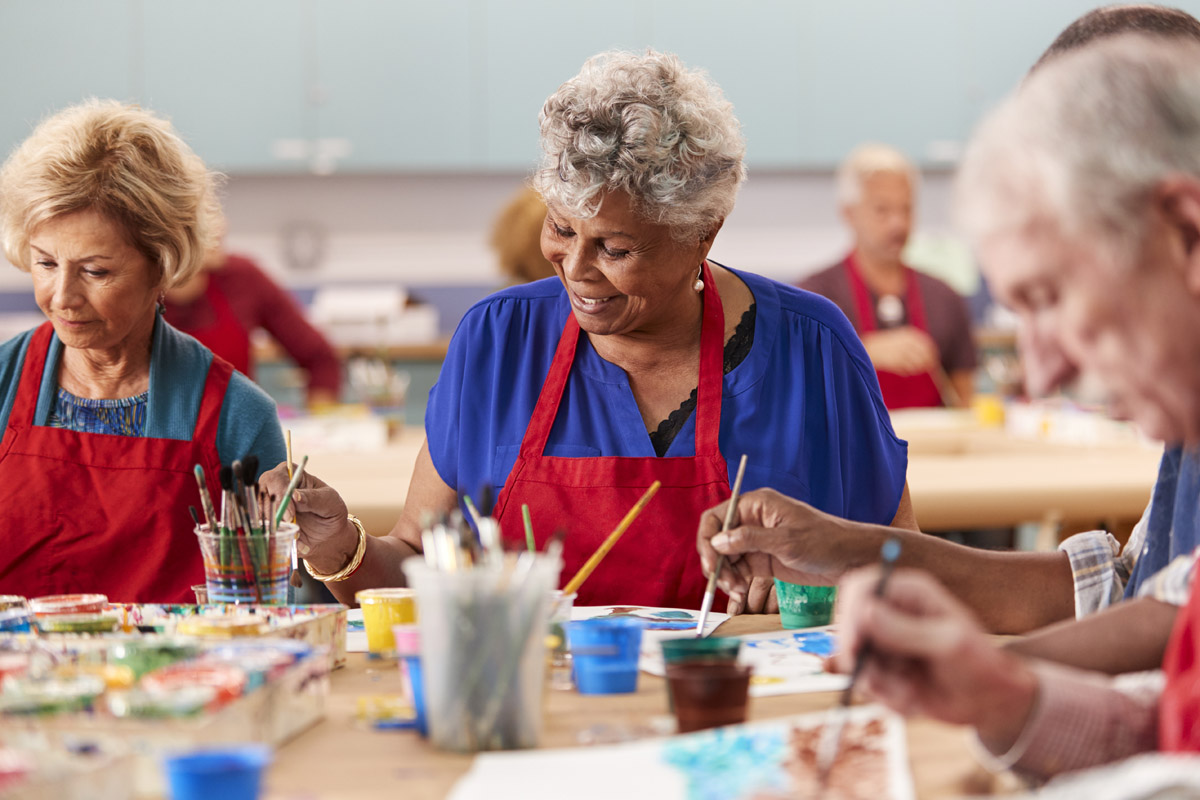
x,y
231,297
914,327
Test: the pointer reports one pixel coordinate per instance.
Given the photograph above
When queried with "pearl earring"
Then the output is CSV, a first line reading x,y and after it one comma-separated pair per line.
x,y
698,286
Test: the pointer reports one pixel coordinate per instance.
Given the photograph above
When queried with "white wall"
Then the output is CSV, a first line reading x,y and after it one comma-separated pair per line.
x,y
433,230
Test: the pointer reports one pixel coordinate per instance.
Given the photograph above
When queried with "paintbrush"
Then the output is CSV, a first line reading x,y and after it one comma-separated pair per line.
x,y
573,586
527,521
831,734
206,502
291,487
711,590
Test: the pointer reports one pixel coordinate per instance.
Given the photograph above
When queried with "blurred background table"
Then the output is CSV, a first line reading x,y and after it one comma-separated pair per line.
x,y
962,476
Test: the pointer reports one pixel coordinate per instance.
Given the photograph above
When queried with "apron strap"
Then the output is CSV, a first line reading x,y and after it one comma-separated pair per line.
x,y
913,304
708,393
216,383
25,403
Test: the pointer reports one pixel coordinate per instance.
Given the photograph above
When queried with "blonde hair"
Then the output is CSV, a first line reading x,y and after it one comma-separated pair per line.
x,y
644,124
517,238
124,163
870,159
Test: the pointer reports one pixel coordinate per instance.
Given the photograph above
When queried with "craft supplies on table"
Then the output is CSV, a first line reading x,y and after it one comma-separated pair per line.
x,y
381,610
93,772
244,674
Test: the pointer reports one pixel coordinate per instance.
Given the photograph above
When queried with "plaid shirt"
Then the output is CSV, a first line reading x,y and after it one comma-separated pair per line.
x,y
1101,568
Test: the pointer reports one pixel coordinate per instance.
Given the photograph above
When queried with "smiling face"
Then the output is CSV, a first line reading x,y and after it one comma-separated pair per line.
x,y
883,216
624,276
1132,325
96,288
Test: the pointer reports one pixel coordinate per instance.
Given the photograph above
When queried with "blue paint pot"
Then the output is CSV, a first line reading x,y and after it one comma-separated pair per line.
x,y
231,773
605,652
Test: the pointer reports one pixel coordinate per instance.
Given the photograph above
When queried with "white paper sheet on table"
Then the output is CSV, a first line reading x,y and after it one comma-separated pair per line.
x,y
662,623
739,761
785,662
1142,777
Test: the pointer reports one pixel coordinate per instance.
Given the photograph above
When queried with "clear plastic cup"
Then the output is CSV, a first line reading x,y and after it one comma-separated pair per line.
x,y
483,651
247,569
606,652
708,693
232,773
560,660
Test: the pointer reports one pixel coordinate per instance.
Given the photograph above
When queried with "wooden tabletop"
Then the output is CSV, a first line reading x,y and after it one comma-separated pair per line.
x,y
960,476
339,759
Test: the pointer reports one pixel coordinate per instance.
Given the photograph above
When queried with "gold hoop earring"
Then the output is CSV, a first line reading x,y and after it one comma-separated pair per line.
x,y
698,286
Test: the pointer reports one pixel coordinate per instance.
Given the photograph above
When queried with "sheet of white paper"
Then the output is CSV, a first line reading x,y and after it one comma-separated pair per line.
x,y
738,761
1160,775
356,635
785,662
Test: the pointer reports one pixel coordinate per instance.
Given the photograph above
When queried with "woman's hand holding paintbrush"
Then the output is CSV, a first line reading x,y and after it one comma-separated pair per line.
x,y
929,655
327,538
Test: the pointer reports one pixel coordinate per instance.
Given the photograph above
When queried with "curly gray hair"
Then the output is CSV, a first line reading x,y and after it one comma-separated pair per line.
x,y
1084,141
644,124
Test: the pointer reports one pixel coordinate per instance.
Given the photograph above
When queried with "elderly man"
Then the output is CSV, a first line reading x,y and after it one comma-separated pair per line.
x,y
1082,195
1016,592
914,327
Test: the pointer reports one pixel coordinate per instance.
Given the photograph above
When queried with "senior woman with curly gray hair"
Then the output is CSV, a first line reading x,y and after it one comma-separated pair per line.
x,y
105,409
641,361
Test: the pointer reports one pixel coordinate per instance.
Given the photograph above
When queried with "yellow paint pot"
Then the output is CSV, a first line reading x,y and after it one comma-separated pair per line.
x,y
383,608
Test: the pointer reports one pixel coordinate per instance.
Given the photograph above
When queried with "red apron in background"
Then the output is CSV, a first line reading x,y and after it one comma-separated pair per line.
x,y
655,563
899,391
88,512
1179,706
225,335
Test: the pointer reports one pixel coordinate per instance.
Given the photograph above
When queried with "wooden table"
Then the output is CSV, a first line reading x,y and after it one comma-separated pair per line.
x,y
961,477
338,760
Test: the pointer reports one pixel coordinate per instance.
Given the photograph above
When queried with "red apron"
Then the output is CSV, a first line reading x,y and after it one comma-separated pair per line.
x,y
87,512
899,391
1179,706
655,562
225,335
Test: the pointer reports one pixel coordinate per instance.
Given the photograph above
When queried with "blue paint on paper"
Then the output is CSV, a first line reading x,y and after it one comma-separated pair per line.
x,y
730,762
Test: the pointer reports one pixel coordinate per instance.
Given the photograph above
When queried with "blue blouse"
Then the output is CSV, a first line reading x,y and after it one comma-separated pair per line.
x,y
804,405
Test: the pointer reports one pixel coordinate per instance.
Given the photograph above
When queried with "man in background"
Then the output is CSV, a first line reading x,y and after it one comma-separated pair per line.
x,y
914,327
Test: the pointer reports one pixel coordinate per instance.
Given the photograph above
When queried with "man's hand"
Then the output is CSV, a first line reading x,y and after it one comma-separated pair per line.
x,y
930,656
904,351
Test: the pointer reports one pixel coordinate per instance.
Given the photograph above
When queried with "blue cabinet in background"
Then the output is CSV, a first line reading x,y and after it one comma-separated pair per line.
x,y
285,86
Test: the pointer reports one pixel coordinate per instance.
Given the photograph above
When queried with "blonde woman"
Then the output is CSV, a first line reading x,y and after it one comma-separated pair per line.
x,y
105,409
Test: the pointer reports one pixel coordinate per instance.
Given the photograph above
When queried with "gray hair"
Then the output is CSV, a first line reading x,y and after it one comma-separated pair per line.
x,y
1084,141
646,125
867,160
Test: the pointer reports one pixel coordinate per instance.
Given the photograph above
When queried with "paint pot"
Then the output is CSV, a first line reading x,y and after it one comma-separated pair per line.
x,y
383,609
78,623
15,620
68,604
10,601
227,680
231,773
408,654
708,693
605,652
142,656
804,606
230,627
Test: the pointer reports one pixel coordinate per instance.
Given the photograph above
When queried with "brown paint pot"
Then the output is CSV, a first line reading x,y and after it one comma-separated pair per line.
x,y
708,693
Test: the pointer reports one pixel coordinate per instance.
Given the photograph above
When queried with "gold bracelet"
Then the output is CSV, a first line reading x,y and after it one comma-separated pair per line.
x,y
355,562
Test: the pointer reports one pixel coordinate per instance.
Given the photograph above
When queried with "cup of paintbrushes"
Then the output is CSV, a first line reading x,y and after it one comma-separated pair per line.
x,y
246,568
483,649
